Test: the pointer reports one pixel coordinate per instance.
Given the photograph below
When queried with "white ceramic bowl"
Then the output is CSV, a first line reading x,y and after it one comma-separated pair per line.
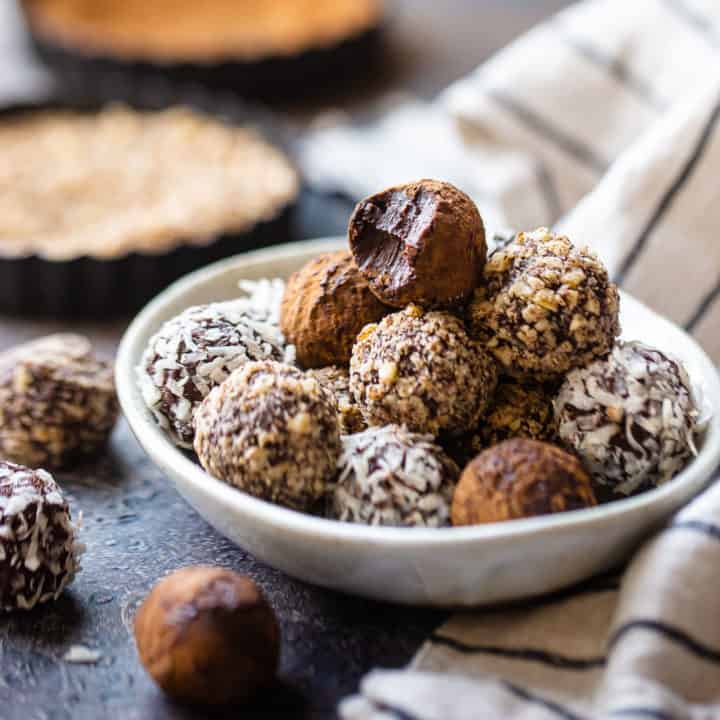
x,y
447,567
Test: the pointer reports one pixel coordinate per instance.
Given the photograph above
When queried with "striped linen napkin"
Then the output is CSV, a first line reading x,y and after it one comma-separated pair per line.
x,y
602,122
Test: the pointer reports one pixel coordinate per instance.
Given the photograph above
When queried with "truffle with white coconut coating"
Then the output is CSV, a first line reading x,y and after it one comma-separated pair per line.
x,y
196,351
337,380
39,550
630,417
271,431
389,476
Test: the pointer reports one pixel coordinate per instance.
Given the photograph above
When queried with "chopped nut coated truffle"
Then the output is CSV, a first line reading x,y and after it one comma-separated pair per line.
x,y
337,381
630,417
195,352
39,551
520,478
421,370
421,243
207,635
545,307
57,401
389,476
326,304
271,431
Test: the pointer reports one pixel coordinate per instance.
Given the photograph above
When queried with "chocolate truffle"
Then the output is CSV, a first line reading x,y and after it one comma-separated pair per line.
x,y
520,478
544,306
326,304
207,635
389,476
39,551
262,299
337,381
421,370
271,431
629,417
196,351
421,243
57,401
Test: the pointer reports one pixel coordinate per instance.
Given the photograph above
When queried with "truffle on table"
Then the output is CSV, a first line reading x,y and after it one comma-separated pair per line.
x,y
57,401
196,351
39,550
389,476
326,304
421,243
629,417
420,369
518,479
544,306
337,381
271,431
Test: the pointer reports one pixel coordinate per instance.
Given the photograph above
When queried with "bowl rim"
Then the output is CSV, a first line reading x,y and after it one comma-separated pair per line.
x,y
175,464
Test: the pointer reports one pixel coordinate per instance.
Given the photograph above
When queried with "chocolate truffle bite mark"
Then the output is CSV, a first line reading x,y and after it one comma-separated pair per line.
x,y
326,304
39,550
421,243
520,478
630,417
208,635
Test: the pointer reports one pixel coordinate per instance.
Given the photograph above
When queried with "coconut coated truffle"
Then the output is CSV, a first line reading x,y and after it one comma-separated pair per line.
x,y
326,304
196,351
420,369
544,306
57,401
39,551
271,431
520,478
421,243
337,381
629,417
389,476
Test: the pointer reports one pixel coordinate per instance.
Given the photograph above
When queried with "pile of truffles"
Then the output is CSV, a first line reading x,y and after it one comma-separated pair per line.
x,y
414,380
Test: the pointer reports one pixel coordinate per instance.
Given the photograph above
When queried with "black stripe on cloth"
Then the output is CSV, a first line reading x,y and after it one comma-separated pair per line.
x,y
705,304
670,194
550,705
577,149
642,712
695,20
706,528
549,193
544,657
679,637
396,712
615,67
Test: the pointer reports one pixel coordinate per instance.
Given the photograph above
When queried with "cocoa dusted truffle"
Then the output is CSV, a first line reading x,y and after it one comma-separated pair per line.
x,y
57,401
196,351
39,551
389,476
421,243
208,635
520,478
545,306
337,381
630,417
271,431
420,369
326,304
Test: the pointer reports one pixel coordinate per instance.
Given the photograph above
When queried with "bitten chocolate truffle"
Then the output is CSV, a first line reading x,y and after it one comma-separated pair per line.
x,y
57,401
195,351
337,381
271,431
208,635
39,550
389,476
517,479
420,369
544,306
326,304
629,417
421,243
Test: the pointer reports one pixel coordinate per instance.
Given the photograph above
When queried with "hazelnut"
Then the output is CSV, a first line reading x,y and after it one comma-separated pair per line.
x,y
207,635
520,478
421,243
325,305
